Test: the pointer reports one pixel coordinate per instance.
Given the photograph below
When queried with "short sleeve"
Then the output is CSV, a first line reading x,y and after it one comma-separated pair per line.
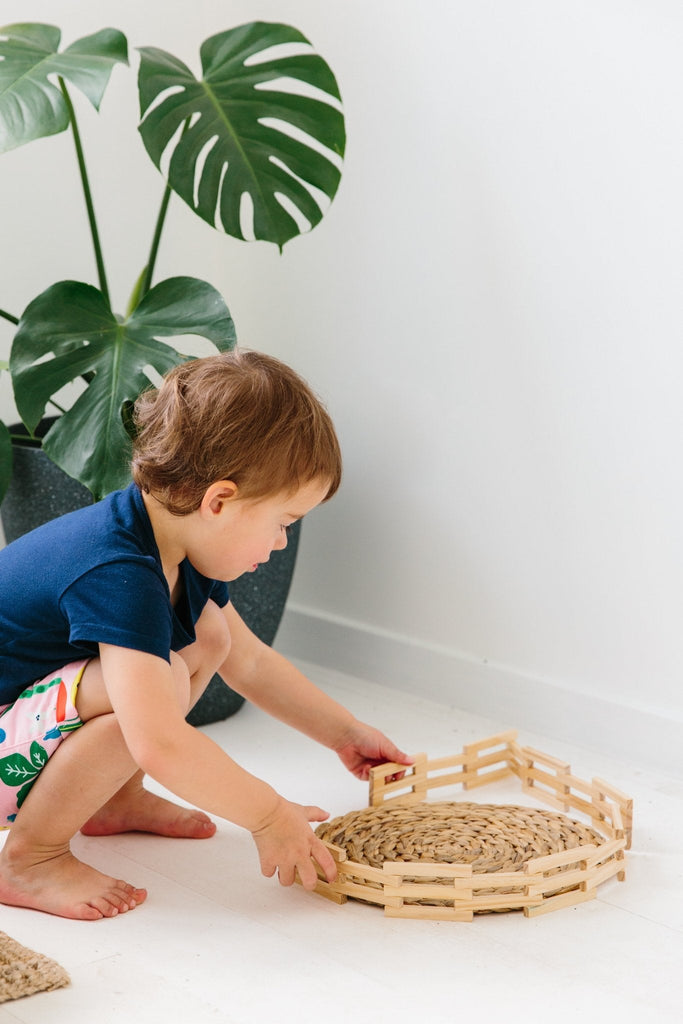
x,y
121,603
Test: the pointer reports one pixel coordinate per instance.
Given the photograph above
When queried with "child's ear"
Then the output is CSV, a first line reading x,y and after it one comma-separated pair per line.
x,y
216,496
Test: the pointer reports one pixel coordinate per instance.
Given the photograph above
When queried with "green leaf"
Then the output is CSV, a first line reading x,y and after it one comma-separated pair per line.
x,y
5,459
24,791
39,755
227,150
32,106
15,770
70,331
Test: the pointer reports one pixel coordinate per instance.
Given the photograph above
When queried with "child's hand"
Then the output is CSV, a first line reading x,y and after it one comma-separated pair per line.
x,y
366,747
286,843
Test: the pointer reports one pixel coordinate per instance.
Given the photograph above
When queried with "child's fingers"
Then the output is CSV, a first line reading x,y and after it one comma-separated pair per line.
x,y
268,866
326,861
306,869
307,874
399,756
286,874
316,814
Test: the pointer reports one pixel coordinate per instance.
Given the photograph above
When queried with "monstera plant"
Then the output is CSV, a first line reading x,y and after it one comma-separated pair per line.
x,y
261,130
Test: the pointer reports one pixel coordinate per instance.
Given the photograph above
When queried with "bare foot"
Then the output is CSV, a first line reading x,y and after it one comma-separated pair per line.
x,y
135,809
64,886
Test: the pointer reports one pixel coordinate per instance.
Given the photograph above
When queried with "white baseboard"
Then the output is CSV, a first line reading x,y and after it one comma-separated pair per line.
x,y
494,691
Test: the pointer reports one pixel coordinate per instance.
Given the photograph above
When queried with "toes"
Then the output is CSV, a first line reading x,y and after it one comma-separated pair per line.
x,y
87,912
194,825
203,821
118,900
127,897
207,828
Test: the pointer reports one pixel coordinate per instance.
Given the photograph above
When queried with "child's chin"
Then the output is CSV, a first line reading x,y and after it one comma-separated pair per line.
x,y
244,572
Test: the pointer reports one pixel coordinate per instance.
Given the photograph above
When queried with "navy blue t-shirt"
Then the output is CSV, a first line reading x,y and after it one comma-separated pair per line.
x,y
92,576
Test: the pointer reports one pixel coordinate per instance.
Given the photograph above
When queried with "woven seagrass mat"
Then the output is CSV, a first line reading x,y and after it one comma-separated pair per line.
x,y
490,837
23,972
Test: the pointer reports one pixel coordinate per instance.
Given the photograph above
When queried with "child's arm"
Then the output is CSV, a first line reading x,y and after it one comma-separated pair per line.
x,y
142,691
271,682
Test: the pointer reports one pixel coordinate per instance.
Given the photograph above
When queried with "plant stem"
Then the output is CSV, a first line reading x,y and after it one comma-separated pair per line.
x,y
163,209
8,316
86,193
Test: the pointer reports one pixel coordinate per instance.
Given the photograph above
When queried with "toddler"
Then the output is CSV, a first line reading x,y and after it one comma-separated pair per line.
x,y
114,618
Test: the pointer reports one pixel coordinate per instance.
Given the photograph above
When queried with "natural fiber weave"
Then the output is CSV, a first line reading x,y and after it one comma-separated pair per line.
x,y
490,837
23,972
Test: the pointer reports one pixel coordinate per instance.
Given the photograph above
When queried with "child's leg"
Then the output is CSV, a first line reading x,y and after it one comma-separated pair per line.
x,y
37,868
135,809
92,769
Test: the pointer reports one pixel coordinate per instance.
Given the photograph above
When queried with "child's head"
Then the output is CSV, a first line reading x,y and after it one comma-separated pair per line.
x,y
240,416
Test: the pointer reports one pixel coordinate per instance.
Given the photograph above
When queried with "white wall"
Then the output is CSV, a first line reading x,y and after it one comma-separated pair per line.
x,y
491,310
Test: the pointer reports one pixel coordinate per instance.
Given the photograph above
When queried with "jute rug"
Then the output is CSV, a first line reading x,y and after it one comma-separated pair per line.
x,y
23,972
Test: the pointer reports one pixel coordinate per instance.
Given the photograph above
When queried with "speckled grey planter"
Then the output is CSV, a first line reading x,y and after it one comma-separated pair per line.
x,y
40,491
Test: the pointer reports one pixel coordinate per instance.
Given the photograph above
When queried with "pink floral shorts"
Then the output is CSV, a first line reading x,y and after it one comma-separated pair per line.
x,y
31,729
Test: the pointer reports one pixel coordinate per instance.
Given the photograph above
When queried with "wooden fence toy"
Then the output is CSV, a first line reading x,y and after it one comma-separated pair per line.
x,y
446,890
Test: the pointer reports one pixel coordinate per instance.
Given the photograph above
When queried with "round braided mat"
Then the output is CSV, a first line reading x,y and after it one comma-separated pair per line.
x,y
490,837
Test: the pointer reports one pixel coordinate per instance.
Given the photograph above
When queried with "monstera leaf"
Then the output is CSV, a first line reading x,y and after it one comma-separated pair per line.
x,y
31,106
72,324
245,130
259,137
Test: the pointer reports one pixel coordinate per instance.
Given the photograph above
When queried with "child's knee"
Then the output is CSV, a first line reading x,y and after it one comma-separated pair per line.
x,y
213,635
181,679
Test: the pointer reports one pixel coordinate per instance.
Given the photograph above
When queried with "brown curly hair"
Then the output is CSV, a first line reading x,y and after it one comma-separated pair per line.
x,y
241,416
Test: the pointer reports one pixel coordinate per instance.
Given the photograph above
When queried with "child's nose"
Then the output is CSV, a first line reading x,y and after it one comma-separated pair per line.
x,y
281,541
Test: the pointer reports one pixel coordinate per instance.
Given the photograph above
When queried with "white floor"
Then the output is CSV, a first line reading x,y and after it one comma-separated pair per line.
x,y
217,942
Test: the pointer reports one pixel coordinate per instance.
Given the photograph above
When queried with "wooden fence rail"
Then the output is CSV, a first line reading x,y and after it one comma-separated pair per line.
x,y
442,891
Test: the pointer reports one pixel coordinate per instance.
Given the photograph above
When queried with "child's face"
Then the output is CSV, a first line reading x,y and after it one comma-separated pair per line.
x,y
241,534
